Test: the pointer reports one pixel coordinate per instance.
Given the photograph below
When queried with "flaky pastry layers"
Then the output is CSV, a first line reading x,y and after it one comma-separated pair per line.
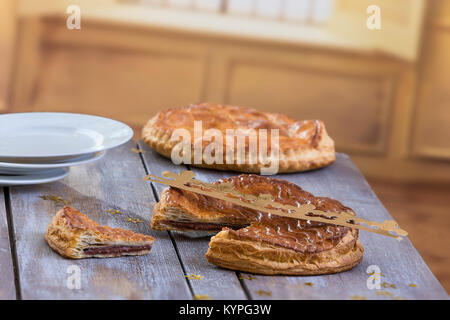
x,y
303,145
73,235
258,242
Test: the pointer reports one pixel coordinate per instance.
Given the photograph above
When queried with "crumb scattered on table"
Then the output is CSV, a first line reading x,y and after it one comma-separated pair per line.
x,y
264,293
193,277
202,297
388,294
137,150
113,211
247,277
358,297
309,284
134,220
377,274
53,198
384,293
388,285
413,285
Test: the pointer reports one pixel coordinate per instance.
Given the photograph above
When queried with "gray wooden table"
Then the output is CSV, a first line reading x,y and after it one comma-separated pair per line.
x,y
31,270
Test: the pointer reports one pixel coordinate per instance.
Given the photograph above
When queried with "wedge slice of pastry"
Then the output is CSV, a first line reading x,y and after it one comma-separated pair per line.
x,y
258,242
303,145
73,235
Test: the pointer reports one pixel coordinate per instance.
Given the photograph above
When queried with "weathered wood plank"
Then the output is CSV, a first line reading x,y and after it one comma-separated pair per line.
x,y
7,285
216,283
114,182
399,262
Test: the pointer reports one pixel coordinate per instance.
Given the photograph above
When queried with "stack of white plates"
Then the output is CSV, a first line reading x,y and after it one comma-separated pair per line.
x,y
40,147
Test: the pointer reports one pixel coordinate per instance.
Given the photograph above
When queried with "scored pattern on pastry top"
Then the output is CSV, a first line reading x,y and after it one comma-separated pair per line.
x,y
292,133
298,146
313,211
298,235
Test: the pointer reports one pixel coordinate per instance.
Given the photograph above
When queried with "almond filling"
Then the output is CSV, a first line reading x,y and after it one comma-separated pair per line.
x,y
200,225
115,249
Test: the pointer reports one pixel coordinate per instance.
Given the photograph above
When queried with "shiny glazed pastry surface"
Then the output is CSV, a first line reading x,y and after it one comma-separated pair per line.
x,y
187,211
303,145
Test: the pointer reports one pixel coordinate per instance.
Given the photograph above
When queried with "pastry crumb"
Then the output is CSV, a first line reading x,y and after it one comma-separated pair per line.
x,y
309,284
193,277
399,298
247,277
376,274
134,220
202,297
264,293
388,285
53,198
388,294
413,285
358,297
137,150
113,211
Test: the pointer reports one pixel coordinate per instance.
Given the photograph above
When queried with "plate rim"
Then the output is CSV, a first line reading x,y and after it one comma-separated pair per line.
x,y
127,137
45,166
64,173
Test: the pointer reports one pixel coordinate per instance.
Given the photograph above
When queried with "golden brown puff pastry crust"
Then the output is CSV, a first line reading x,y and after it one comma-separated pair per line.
x,y
228,250
303,145
73,235
258,242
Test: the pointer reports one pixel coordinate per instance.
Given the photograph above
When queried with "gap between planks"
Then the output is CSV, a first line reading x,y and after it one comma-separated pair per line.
x,y
12,242
113,182
237,273
155,195
241,282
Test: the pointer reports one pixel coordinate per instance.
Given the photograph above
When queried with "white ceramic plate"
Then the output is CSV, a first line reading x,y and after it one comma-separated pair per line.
x,y
51,160
57,136
31,168
44,177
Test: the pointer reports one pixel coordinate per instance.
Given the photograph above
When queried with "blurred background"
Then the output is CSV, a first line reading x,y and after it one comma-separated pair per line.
x,y
384,94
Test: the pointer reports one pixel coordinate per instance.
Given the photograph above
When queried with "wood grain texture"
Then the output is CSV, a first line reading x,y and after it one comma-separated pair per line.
x,y
114,182
423,211
139,66
432,114
27,62
7,286
216,283
401,264
7,35
267,83
126,67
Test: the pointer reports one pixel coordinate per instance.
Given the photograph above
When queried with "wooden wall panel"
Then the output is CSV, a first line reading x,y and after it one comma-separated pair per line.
x,y
128,72
441,13
7,36
129,85
431,128
337,98
392,10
